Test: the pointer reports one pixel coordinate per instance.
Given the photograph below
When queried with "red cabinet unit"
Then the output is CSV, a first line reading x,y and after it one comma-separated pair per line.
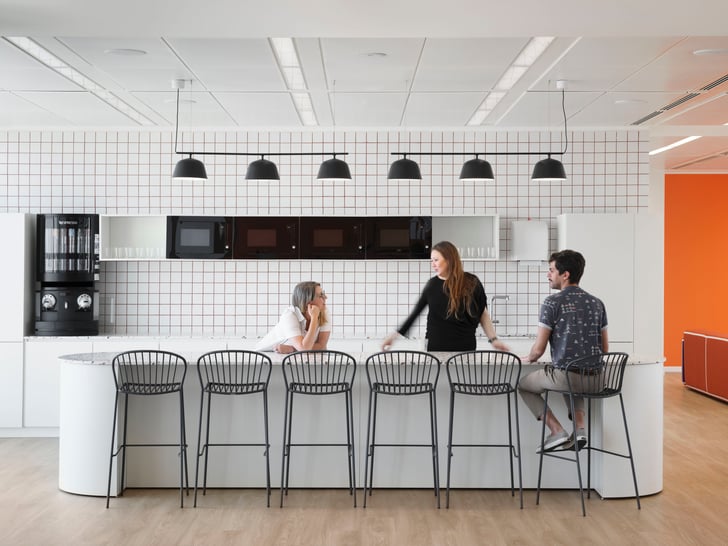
x,y
705,362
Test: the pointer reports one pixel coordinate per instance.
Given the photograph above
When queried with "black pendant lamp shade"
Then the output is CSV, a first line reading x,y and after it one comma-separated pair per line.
x,y
548,169
476,169
190,168
404,169
334,169
262,169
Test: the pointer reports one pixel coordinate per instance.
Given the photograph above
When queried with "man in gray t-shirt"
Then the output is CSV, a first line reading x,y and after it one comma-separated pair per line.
x,y
574,324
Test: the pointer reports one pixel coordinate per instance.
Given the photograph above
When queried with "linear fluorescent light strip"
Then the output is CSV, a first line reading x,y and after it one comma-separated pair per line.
x,y
673,145
285,51
529,55
51,61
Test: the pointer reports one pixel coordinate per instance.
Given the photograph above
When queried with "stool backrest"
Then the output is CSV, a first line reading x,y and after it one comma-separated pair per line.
x,y
483,372
234,371
319,372
402,372
149,372
600,376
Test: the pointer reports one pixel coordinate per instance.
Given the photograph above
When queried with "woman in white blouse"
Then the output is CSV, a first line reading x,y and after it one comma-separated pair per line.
x,y
303,326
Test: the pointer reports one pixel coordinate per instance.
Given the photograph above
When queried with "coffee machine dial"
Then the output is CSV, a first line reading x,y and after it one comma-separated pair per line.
x,y
48,302
84,302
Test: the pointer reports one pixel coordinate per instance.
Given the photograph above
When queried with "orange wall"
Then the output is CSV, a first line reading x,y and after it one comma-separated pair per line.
x,y
696,257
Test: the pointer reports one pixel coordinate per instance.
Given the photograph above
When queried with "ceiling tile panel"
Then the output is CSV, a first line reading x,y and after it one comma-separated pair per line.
x,y
467,64
678,70
428,109
600,64
231,64
366,65
21,72
18,112
260,109
196,109
81,108
369,109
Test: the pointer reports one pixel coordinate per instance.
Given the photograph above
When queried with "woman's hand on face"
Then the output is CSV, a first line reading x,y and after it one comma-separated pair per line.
x,y
313,311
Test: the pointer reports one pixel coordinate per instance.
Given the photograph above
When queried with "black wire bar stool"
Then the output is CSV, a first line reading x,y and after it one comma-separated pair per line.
x,y
594,377
231,373
401,373
149,373
486,373
318,373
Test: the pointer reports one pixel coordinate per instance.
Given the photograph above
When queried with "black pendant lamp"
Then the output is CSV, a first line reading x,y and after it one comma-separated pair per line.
x,y
334,169
189,168
477,169
404,169
262,169
548,169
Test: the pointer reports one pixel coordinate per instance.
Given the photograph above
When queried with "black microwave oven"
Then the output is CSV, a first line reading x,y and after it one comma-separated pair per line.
x,y
198,237
336,238
403,237
266,237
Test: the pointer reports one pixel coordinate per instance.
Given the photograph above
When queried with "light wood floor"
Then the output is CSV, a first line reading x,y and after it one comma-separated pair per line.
x,y
692,509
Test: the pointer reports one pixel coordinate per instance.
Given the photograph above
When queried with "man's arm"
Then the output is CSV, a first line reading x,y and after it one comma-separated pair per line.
x,y
539,346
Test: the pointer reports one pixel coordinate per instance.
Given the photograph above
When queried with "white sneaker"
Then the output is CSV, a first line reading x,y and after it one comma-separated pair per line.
x,y
554,440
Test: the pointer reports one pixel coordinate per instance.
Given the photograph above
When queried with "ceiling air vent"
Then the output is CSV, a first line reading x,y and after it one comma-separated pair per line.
x,y
716,83
682,100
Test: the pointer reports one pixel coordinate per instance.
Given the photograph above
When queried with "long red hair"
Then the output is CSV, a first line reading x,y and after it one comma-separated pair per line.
x,y
458,286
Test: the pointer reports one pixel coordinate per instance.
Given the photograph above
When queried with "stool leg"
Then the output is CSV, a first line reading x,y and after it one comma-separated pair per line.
x,y
518,447
286,446
349,399
207,443
199,441
449,447
123,443
576,453
182,449
435,455
543,437
369,448
510,441
267,446
629,449
588,448
111,454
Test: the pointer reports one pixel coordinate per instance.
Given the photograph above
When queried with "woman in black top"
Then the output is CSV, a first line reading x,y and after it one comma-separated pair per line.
x,y
457,304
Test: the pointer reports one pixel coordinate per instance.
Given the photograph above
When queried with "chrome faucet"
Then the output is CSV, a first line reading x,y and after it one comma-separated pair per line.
x,y
494,298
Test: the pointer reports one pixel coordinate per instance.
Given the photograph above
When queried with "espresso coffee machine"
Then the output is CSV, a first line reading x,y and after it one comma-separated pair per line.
x,y
67,267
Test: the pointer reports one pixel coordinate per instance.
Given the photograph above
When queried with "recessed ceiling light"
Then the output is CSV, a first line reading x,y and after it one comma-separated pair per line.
x,y
376,54
125,52
630,101
712,51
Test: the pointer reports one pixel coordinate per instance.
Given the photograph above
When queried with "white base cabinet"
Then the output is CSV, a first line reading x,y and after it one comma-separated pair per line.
x,y
11,384
41,392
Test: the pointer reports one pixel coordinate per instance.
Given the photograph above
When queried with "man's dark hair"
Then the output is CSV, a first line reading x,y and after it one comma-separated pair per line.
x,y
571,261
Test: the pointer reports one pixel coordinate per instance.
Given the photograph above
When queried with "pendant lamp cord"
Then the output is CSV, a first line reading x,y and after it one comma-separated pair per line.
x,y
176,123
563,110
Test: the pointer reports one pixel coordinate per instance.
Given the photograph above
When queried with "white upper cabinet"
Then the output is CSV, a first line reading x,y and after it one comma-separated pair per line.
x,y
133,237
607,242
477,237
529,240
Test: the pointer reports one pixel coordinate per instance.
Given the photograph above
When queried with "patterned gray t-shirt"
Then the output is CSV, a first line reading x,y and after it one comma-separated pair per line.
x,y
576,320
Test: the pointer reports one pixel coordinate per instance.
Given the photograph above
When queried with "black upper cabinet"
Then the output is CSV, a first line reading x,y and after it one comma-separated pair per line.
x,y
336,238
400,237
199,237
266,237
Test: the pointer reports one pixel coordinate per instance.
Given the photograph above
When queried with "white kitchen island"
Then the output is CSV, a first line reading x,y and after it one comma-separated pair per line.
x,y
86,411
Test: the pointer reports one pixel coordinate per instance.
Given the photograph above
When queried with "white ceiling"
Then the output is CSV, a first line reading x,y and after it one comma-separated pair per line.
x,y
622,62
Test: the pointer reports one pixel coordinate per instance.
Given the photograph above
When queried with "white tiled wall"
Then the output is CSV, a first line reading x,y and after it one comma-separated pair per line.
x,y
130,173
